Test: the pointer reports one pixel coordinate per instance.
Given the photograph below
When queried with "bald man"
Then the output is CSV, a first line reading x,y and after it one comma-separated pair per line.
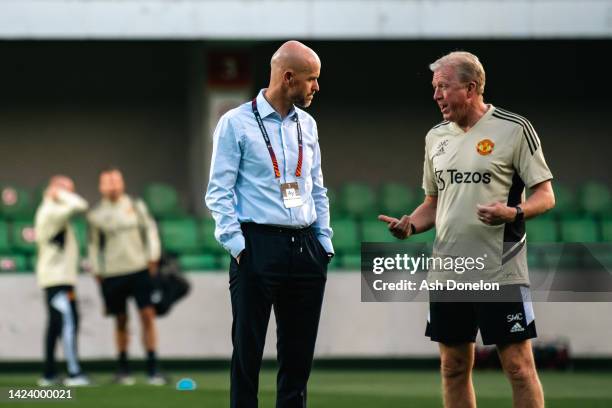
x,y
56,272
271,210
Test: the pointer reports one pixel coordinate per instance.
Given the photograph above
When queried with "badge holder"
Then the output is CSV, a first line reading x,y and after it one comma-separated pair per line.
x,y
291,195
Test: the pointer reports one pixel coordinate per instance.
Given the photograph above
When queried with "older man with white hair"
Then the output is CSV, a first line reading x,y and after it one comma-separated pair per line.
x,y
477,164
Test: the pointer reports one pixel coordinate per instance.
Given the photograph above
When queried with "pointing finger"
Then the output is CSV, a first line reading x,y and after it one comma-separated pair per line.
x,y
387,219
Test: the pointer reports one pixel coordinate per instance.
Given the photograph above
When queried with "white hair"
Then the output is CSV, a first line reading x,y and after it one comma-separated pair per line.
x,y
466,65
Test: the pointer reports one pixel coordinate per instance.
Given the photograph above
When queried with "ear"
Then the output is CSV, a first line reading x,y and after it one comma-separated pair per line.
x,y
287,76
471,88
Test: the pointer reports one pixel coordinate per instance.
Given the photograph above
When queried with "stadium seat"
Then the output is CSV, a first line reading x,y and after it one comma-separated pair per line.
x,y
198,262
38,195
180,236
346,235
376,231
23,237
358,200
534,257
579,229
565,203
396,199
542,230
13,263
334,264
80,231
606,229
224,261
334,207
162,200
5,245
207,235
351,262
595,198
15,202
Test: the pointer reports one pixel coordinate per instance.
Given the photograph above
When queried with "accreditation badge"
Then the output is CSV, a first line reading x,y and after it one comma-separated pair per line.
x,y
291,195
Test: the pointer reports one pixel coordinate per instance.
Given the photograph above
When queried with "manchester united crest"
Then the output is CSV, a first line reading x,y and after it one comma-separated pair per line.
x,y
485,147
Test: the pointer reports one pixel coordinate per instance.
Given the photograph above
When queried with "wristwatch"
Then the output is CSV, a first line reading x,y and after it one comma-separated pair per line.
x,y
519,214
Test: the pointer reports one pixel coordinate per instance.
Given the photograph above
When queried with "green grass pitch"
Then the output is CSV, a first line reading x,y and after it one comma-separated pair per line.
x,y
327,389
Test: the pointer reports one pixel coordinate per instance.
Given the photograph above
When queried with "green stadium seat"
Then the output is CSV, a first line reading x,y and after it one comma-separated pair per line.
x,y
351,262
207,235
346,235
542,230
606,229
13,263
543,254
595,198
376,231
565,203
224,261
37,195
16,202
358,200
396,199
534,257
80,230
334,264
162,200
334,206
579,229
198,262
5,244
180,236
23,237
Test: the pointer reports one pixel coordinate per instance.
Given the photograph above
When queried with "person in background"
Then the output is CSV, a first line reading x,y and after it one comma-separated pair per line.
x,y
124,251
56,272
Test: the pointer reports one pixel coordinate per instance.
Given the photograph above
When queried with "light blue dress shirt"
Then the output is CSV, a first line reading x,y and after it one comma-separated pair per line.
x,y
242,186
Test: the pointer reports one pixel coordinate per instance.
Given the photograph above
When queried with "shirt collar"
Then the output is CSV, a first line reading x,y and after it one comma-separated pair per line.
x,y
265,109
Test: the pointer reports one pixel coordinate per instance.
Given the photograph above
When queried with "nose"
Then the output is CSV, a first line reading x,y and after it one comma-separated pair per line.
x,y
316,86
437,94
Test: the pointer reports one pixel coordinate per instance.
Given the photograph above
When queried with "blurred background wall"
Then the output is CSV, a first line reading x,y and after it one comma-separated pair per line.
x,y
140,84
77,106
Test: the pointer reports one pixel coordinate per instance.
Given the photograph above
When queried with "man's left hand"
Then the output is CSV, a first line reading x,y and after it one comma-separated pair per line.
x,y
495,213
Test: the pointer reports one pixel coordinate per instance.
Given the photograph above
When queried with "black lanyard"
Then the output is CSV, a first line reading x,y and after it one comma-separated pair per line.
x,y
264,133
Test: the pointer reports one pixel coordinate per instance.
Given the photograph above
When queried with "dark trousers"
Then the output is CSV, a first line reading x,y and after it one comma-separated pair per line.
x,y
63,322
285,269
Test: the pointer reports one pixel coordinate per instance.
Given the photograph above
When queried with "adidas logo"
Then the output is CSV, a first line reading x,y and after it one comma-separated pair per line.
x,y
517,328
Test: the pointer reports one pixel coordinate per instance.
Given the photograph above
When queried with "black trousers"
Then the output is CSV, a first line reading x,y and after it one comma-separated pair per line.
x,y
285,269
62,322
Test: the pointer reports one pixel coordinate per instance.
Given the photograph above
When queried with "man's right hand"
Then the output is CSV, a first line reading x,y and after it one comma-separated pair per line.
x,y
401,228
239,256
